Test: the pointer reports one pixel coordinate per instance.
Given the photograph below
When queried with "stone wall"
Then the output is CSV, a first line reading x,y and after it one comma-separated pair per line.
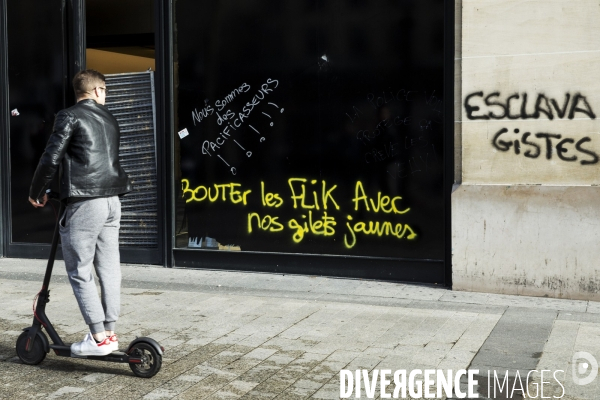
x,y
526,216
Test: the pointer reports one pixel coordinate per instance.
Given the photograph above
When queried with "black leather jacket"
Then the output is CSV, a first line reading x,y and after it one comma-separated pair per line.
x,y
85,139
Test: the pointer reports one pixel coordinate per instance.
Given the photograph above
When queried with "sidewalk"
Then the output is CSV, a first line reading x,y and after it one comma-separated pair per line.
x,y
230,335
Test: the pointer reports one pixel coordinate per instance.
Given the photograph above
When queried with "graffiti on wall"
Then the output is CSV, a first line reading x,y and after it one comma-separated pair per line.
x,y
533,145
545,144
315,202
229,121
478,105
396,138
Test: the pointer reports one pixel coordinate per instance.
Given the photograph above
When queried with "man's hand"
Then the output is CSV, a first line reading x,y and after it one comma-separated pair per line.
x,y
36,204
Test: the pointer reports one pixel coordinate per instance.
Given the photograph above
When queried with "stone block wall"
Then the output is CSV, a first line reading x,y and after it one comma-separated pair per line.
x,y
526,209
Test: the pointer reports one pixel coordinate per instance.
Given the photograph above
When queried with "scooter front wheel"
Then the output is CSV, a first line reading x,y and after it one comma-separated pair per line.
x,y
151,360
37,353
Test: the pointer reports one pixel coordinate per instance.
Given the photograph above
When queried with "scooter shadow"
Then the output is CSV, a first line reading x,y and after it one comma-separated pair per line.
x,y
63,364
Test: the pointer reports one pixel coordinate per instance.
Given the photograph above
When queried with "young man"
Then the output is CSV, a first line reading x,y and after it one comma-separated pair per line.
x,y
85,143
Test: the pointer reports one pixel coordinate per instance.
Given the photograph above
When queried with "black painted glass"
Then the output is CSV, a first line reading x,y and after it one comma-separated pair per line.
x,y
36,94
311,127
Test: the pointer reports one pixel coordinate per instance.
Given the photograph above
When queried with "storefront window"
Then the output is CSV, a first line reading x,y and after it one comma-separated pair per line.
x,y
310,127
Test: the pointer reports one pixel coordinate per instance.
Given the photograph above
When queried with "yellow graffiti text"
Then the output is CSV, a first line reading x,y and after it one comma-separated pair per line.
x,y
377,228
323,226
297,185
225,191
270,199
266,223
385,204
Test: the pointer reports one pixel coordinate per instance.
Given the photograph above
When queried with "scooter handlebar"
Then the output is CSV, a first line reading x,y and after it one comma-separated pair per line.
x,y
52,195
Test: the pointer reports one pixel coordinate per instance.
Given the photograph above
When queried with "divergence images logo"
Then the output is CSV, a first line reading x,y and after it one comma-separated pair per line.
x,y
584,364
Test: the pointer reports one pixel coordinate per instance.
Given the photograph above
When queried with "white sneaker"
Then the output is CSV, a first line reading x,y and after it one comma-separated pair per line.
x,y
114,343
89,347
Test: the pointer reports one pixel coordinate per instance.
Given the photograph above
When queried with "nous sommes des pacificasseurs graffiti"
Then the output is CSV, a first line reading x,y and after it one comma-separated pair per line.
x,y
521,106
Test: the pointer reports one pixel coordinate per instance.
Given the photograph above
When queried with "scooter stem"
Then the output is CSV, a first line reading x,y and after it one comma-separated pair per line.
x,y
40,317
53,248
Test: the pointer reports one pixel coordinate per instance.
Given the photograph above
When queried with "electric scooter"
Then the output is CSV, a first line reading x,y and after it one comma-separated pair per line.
x,y
144,355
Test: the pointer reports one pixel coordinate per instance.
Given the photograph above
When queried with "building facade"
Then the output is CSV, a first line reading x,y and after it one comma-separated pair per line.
x,y
322,137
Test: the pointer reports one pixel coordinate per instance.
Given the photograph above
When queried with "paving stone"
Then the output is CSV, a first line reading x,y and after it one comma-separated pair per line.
x,y
259,373
234,390
262,336
329,391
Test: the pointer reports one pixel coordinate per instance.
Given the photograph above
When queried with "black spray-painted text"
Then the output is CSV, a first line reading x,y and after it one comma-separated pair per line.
x,y
479,105
535,145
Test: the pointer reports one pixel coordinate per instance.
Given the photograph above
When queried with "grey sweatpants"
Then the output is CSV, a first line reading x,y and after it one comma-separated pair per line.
x,y
89,232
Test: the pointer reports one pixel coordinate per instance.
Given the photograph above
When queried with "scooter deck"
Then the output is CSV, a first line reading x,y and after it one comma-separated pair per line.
x,y
115,356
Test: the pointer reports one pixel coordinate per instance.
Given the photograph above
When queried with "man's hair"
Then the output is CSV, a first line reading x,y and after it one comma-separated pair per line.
x,y
87,80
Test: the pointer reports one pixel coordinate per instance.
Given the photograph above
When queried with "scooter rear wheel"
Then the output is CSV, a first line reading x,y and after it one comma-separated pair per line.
x,y
151,360
37,353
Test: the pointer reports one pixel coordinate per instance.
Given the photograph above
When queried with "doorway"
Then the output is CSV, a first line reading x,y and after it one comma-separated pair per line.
x,y
120,45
